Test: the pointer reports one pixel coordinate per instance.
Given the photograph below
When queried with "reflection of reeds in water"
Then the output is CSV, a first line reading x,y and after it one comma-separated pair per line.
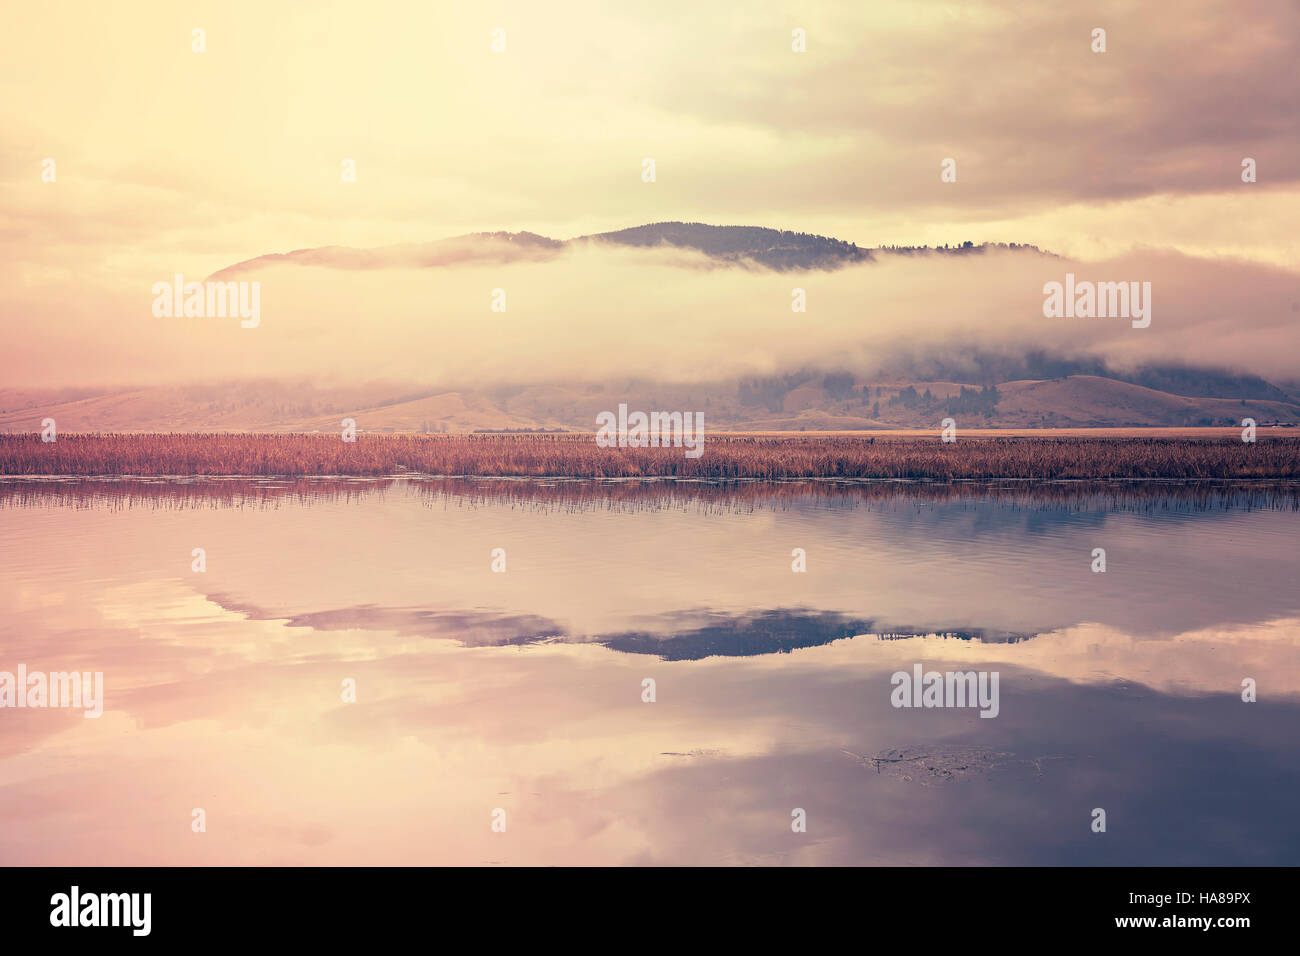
x,y
724,457
574,495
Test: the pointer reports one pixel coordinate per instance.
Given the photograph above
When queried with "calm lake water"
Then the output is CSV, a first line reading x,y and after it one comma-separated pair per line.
x,y
522,691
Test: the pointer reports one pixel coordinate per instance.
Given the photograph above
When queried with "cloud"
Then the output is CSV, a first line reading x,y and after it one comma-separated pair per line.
x,y
237,152
597,313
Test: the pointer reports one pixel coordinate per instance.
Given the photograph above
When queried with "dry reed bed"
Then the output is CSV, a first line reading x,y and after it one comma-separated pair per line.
x,y
724,457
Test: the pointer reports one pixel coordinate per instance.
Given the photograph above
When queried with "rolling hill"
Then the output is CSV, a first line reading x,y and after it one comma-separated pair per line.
x,y
803,401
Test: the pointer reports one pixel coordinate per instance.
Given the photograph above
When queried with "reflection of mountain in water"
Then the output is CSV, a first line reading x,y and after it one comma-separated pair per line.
x,y
776,631
679,636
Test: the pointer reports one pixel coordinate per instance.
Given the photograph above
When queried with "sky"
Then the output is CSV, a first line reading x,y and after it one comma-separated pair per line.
x,y
168,160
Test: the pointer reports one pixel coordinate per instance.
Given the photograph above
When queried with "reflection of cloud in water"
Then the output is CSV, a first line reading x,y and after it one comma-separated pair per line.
x,y
1205,661
209,707
222,690
471,628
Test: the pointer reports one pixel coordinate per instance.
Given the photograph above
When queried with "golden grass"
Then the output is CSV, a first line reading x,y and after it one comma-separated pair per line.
x,y
724,457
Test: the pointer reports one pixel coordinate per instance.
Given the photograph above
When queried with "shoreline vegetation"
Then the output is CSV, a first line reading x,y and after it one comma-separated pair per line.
x,y
726,457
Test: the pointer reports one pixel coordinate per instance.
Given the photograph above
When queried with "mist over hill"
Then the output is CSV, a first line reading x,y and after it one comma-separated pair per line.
x,y
805,399
779,250
764,328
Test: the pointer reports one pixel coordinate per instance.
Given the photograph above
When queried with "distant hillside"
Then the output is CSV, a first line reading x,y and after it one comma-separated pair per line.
x,y
806,400
985,368
776,249
1082,400
773,248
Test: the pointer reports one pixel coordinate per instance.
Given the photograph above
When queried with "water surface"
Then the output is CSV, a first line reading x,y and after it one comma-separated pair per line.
x,y
522,691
